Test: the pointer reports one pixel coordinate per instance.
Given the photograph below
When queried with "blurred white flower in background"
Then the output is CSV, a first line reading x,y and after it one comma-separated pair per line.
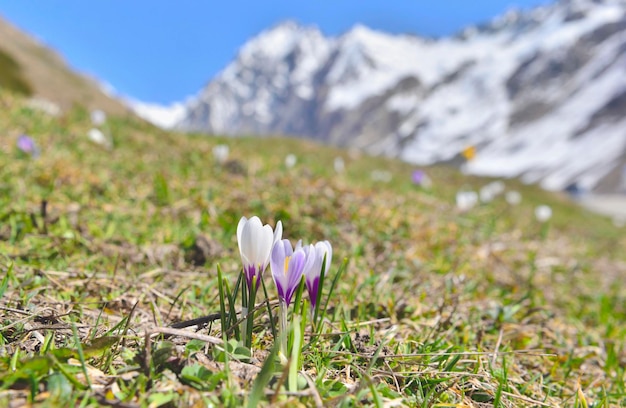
x,y
490,191
486,194
220,153
98,117
339,165
466,200
497,187
543,213
513,197
96,136
291,160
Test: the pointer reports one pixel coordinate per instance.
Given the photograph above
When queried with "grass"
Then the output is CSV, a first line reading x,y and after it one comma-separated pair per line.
x,y
11,77
102,251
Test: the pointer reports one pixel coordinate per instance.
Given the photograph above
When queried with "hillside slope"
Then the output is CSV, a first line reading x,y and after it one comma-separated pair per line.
x,y
47,76
102,248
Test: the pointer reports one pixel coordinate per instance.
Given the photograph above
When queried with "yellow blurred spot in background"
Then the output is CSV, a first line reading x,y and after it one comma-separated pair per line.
x,y
469,152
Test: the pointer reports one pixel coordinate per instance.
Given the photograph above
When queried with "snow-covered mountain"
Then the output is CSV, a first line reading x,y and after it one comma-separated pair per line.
x,y
541,94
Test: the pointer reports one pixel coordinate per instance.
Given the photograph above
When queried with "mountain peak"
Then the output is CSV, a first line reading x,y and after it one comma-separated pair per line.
x,y
531,89
280,40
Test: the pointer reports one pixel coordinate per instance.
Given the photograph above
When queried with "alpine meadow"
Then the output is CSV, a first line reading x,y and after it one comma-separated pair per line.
x,y
120,268
218,263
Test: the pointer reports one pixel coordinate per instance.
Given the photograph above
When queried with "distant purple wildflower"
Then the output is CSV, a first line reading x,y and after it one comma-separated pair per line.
x,y
27,145
418,177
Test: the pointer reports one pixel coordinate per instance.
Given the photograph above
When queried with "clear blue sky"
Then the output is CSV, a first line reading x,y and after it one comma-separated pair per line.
x,y
163,50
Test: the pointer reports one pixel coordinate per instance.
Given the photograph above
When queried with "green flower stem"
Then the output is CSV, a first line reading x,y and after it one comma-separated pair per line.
x,y
284,328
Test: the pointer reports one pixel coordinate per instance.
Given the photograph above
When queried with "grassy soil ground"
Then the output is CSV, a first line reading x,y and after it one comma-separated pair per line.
x,y
103,250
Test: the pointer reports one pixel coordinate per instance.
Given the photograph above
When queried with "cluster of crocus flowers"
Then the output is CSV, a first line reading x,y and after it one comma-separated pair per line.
x,y
259,246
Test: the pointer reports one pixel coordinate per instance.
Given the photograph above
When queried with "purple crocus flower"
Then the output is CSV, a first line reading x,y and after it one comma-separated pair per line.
x,y
27,145
313,268
418,177
287,267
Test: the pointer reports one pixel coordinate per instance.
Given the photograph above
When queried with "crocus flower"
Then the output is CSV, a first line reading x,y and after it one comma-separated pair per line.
x,y
418,177
543,213
465,200
513,197
497,187
96,136
313,268
290,160
255,245
220,153
486,194
287,268
27,145
339,165
98,117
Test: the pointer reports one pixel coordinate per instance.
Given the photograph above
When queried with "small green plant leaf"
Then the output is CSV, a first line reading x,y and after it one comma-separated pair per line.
x,y
200,377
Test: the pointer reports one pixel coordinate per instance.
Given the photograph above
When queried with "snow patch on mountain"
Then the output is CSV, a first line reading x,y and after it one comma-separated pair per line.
x,y
165,117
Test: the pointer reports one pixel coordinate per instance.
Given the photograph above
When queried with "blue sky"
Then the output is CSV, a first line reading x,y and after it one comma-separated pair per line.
x,y
163,51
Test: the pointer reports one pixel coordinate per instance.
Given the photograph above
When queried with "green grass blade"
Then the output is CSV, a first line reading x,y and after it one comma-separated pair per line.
x,y
5,281
269,310
340,272
220,287
263,378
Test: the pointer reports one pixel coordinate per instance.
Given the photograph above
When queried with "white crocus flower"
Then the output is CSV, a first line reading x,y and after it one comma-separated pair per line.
x,y
486,194
513,197
466,200
96,136
543,213
98,117
255,246
220,153
291,160
339,165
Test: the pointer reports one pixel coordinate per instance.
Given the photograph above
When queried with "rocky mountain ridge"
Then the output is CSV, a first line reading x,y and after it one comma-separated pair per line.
x,y
541,94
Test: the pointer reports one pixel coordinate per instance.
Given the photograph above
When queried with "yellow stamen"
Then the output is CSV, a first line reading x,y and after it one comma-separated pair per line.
x,y
286,265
